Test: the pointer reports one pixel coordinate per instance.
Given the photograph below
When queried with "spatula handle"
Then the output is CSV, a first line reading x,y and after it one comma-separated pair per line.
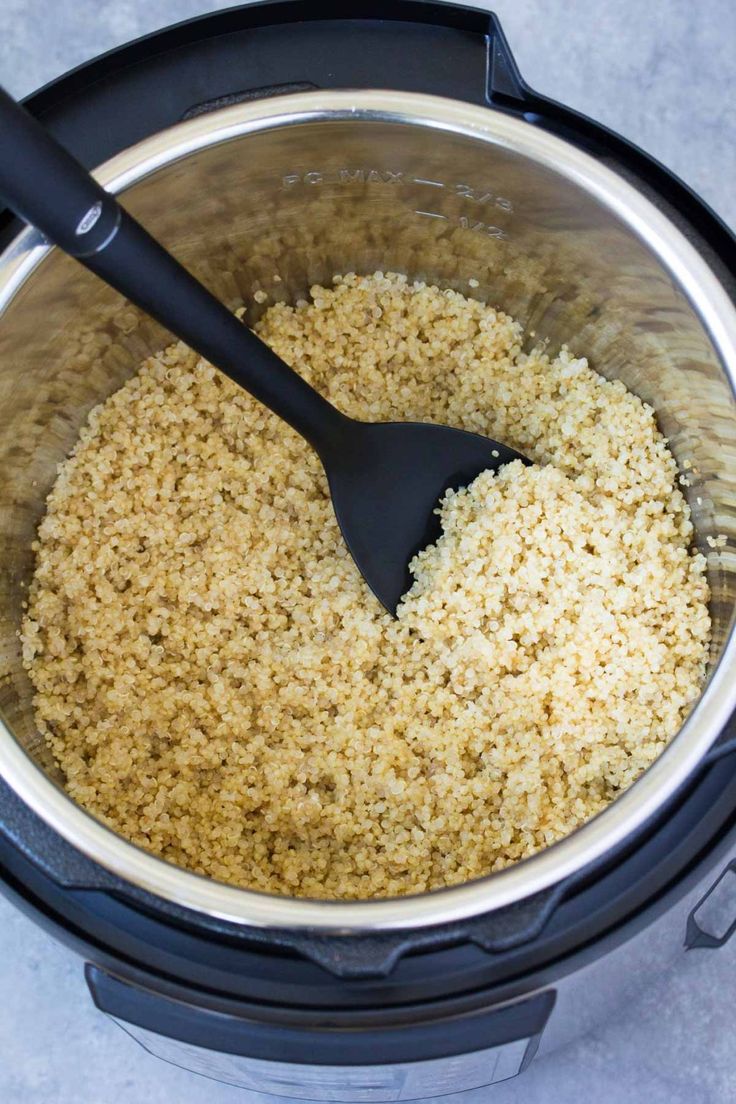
x,y
47,187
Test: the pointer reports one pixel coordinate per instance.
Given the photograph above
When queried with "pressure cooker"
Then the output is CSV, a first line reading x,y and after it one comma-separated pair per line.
x,y
314,139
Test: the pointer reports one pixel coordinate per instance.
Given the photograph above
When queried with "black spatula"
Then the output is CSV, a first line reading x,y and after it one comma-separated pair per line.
x,y
385,478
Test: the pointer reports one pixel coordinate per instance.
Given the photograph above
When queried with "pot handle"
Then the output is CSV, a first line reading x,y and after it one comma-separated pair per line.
x,y
457,52
725,744
721,895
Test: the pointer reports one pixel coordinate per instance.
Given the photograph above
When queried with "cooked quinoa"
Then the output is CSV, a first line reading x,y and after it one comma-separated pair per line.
x,y
217,682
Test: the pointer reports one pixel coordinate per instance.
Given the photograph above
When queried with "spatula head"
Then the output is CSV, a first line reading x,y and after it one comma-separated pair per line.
x,y
386,482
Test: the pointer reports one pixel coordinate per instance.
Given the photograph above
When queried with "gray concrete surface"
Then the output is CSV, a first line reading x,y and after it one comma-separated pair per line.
x,y
664,74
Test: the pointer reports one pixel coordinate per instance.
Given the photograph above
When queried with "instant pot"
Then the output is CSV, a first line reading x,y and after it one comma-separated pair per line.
x,y
305,139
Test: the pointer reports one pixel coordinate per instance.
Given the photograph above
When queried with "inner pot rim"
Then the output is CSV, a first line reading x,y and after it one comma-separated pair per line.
x,y
632,808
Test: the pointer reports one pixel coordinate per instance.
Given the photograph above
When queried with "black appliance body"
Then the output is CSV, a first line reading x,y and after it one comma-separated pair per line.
x,y
411,1012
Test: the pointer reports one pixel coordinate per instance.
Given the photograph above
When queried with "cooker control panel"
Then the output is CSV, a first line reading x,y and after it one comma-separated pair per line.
x,y
428,1051
356,1084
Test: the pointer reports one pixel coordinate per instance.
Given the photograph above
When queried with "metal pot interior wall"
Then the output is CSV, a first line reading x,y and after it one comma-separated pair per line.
x,y
317,198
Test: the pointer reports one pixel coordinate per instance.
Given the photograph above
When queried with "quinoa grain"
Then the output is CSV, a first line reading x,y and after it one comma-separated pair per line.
x,y
218,684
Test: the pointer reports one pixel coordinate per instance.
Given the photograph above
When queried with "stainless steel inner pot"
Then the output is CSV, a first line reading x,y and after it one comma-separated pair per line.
x,y
324,182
